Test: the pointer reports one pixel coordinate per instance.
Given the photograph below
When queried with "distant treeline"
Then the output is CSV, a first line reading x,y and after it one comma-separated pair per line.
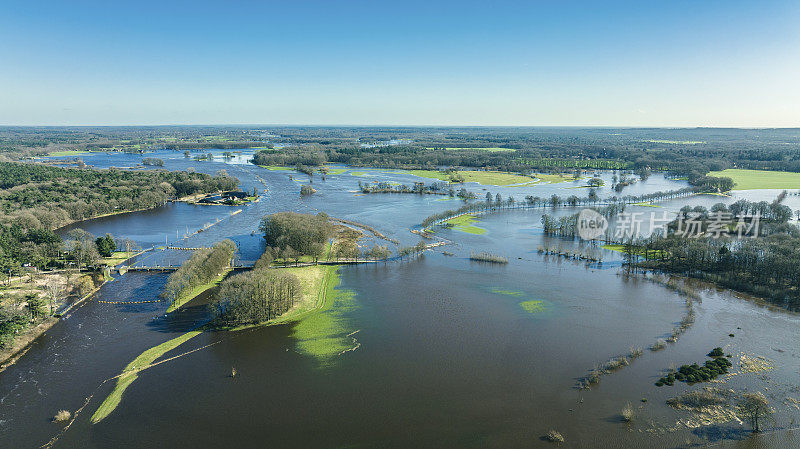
x,y
688,152
682,151
409,157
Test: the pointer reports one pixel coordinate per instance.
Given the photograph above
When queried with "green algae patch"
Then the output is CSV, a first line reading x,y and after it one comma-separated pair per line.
x,y
130,373
501,291
464,223
533,306
336,171
324,333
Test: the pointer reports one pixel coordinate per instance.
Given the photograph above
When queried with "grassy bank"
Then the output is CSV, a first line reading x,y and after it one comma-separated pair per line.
x,y
193,293
118,257
553,178
130,373
276,168
760,179
653,254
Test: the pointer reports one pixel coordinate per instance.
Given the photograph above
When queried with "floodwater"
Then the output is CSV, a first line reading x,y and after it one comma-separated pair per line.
x,y
450,353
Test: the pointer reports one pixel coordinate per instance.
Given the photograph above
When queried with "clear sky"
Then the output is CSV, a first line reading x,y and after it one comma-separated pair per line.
x,y
538,63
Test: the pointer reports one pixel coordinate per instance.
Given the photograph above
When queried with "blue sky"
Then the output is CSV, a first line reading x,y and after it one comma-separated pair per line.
x,y
643,63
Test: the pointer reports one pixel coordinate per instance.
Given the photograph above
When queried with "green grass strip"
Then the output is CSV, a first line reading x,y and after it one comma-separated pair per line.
x,y
276,168
130,373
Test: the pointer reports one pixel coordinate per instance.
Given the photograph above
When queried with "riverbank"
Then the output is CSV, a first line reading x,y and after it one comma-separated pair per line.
x,y
318,284
22,342
49,293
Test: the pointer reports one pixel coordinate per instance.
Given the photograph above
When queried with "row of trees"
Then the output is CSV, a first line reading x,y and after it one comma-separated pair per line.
x,y
153,161
420,188
202,267
496,202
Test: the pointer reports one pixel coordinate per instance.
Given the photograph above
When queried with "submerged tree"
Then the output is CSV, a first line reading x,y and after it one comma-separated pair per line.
x,y
754,408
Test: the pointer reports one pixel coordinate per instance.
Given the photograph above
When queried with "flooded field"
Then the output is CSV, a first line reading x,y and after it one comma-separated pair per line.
x,y
448,352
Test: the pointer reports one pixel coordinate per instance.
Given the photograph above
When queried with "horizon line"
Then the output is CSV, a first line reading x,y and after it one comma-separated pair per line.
x,y
317,125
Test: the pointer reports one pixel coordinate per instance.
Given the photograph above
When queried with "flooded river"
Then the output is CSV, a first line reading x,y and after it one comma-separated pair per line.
x,y
450,353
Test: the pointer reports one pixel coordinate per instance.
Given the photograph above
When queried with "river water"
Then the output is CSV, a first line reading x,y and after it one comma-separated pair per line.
x,y
451,353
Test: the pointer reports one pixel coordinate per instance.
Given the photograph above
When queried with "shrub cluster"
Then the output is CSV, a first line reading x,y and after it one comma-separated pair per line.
x,y
695,373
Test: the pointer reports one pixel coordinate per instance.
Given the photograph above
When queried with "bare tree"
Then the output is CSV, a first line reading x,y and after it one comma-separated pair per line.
x,y
55,292
754,408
